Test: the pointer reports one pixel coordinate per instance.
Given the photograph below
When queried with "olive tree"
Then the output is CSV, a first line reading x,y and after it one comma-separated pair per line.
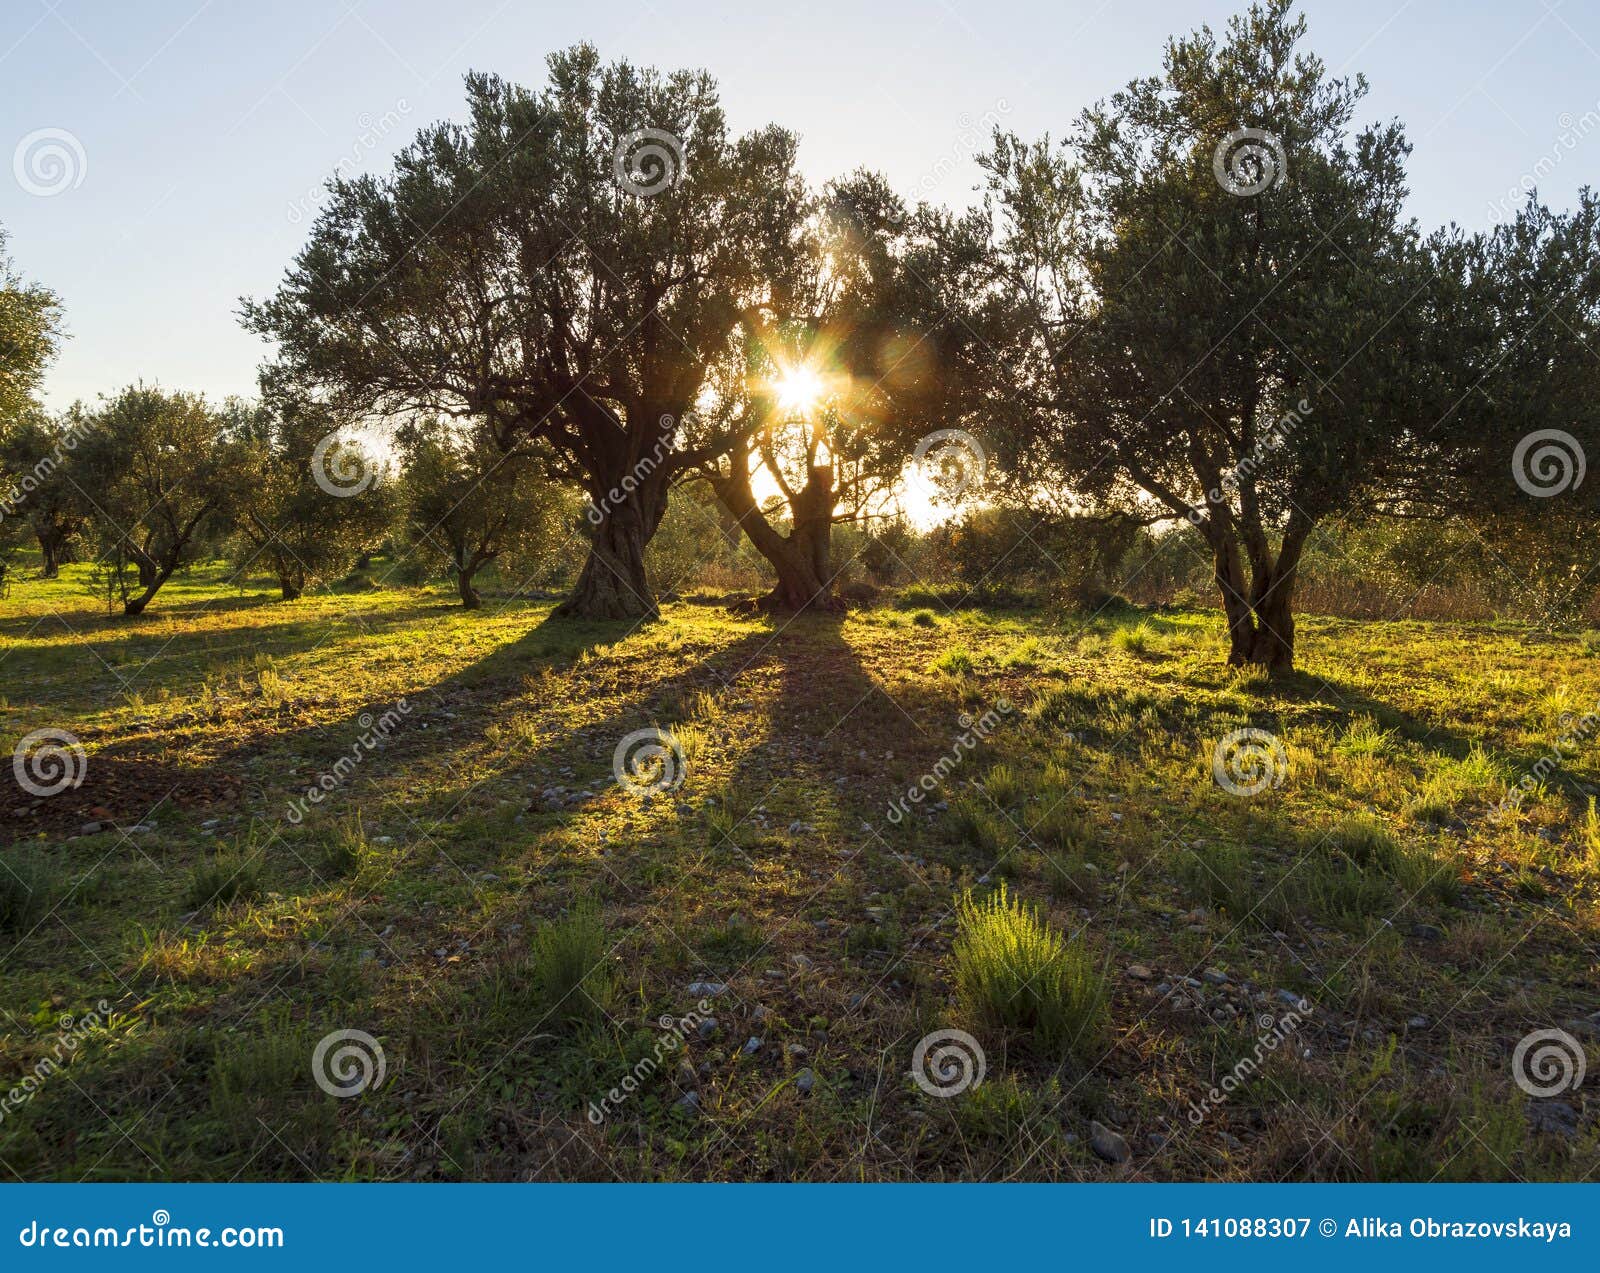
x,y
564,267
1213,288
311,501
469,503
165,475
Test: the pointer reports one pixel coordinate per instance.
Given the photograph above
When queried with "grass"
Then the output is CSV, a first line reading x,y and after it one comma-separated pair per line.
x,y
1014,971
475,891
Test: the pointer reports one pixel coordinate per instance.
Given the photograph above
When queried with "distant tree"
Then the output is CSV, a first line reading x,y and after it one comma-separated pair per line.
x,y
471,503
564,267
165,475
310,501
830,386
30,331
37,453
1513,417
1213,284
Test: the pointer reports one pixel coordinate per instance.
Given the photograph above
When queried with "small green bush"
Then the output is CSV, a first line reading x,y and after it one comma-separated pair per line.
x,y
1014,971
569,968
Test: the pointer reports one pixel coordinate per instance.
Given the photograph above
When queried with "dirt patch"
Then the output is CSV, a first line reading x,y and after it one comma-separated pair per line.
x,y
119,791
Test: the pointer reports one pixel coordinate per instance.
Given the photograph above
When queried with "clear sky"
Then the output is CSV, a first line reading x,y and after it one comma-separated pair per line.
x,y
198,134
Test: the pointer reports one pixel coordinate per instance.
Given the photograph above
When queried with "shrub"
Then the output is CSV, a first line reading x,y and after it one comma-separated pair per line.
x,y
1014,971
956,662
924,619
569,970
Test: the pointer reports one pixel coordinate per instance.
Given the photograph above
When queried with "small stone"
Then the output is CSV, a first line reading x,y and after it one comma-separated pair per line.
x,y
1215,976
1108,1144
689,1103
759,1013
1583,1029
90,828
797,1049
708,989
752,1046
805,1081
1418,1022
686,1075
1289,999
1427,932
707,1028
803,963
1139,972
1555,1117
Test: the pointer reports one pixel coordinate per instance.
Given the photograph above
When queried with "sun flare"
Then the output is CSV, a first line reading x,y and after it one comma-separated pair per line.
x,y
798,389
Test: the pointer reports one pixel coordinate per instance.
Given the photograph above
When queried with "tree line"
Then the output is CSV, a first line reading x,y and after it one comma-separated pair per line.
x,y
1202,306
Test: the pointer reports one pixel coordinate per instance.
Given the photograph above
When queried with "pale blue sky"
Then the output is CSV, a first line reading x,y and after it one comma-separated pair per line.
x,y
206,129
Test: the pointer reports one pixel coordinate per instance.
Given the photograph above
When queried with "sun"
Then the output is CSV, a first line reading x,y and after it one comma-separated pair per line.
x,y
799,389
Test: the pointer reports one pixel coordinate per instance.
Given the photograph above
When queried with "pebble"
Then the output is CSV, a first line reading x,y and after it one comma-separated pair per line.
x,y
1417,1023
752,1046
1290,999
1215,976
1139,972
1108,1144
707,1028
805,1080
708,989
689,1103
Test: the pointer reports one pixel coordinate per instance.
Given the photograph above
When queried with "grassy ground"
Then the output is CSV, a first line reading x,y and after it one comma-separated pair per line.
x,y
1365,934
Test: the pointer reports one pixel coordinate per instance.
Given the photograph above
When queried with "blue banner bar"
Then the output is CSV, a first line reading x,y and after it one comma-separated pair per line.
x,y
809,1227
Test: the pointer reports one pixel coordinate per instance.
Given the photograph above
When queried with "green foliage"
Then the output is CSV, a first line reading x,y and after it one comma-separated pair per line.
x,y
1014,971
223,879
569,969
26,885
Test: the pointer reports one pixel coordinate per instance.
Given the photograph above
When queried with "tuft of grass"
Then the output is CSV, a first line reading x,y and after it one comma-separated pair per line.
x,y
1141,638
569,971
924,619
344,847
956,662
26,884
1003,786
261,1087
1014,971
1365,737
223,879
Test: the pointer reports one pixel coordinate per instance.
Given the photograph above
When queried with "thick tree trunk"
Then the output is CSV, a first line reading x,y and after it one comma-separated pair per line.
x,y
1260,616
613,584
136,605
801,559
469,595
50,547
289,589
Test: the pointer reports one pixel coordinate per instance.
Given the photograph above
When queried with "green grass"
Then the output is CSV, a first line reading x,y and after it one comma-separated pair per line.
x,y
1014,971
475,890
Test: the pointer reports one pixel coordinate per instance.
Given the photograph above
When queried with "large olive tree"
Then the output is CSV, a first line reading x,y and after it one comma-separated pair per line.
x,y
1214,288
565,266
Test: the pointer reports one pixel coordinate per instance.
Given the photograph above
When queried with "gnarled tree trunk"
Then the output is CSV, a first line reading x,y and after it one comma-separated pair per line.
x,y
1260,613
612,584
802,559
